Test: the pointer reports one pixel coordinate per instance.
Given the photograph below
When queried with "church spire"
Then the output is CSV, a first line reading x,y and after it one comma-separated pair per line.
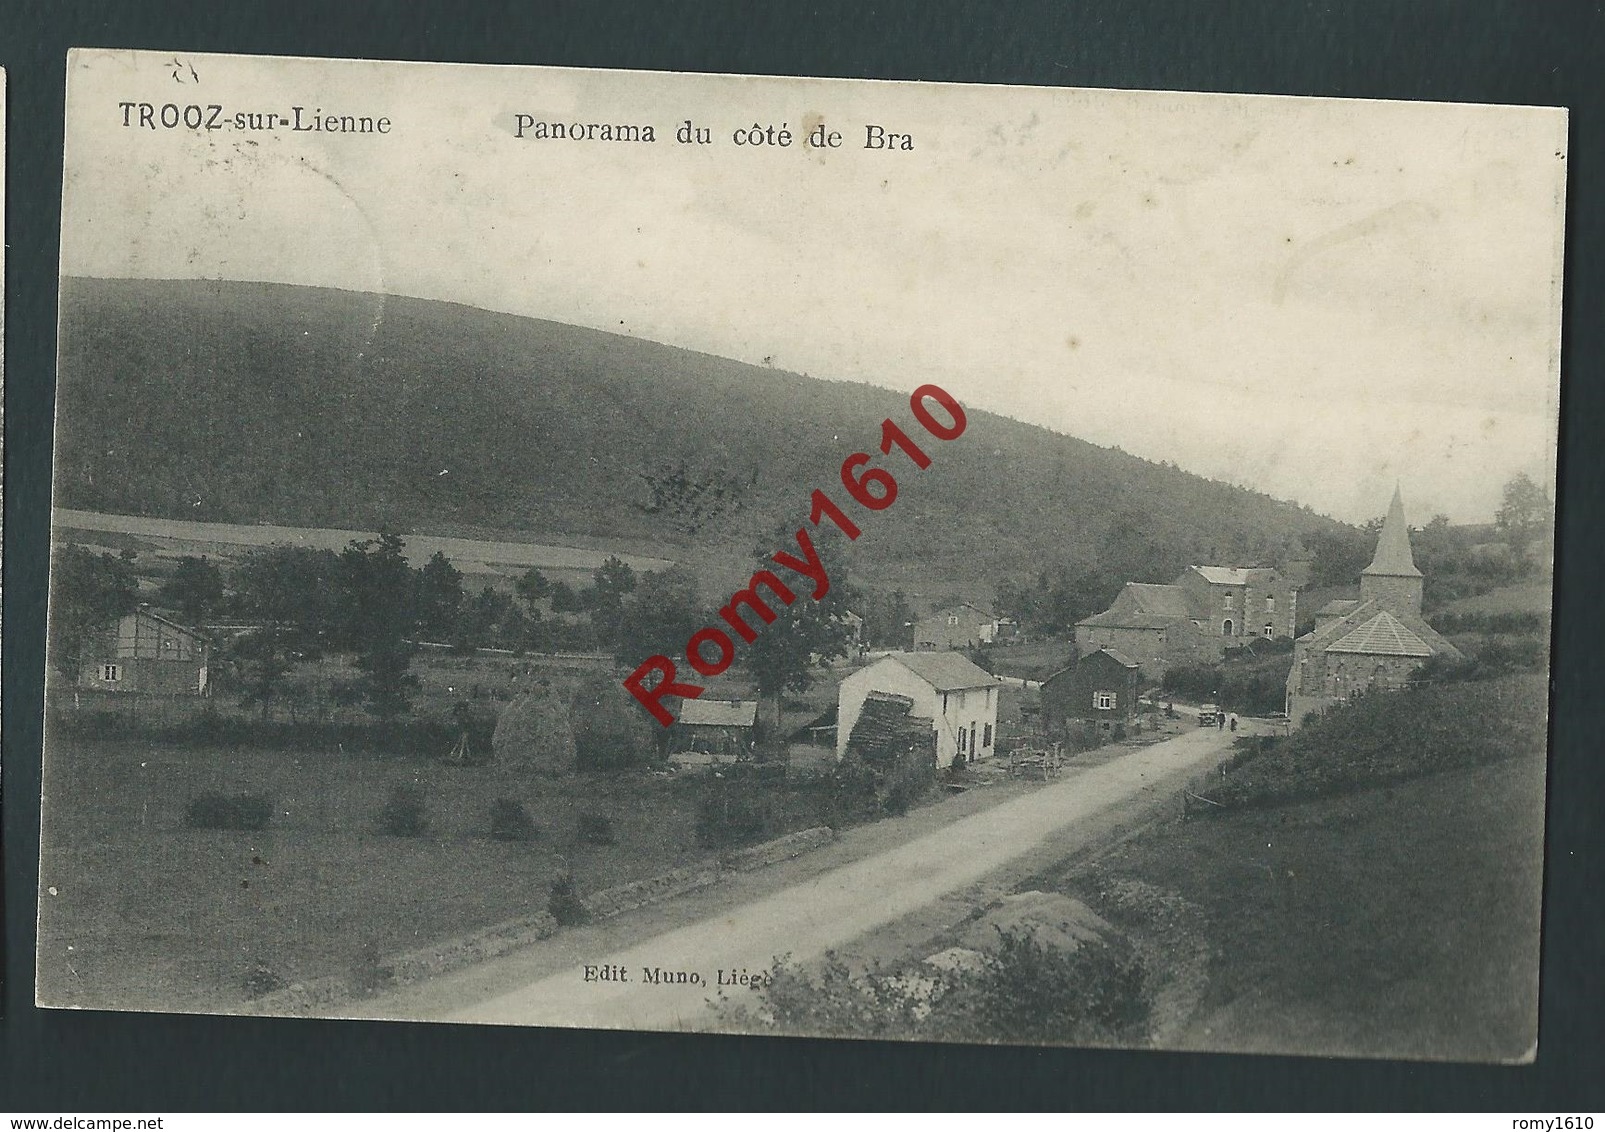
x,y
1393,558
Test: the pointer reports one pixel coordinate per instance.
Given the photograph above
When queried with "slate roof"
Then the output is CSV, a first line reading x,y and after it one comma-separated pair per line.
x,y
946,671
719,713
1393,557
1225,575
1338,607
1347,629
1382,635
1143,605
1120,658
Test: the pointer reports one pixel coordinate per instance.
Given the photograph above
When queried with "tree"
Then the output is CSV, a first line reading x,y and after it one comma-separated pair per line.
x,y
564,599
87,592
381,616
290,594
440,597
807,634
532,586
611,582
194,590
1524,516
664,611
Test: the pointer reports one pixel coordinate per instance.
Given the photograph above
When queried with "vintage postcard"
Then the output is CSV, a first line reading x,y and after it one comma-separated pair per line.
x,y
791,556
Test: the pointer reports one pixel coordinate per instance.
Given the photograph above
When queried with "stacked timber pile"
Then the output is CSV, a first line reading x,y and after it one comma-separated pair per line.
x,y
886,730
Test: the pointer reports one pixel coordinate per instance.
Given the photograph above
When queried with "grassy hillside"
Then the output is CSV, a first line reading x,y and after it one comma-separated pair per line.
x,y
243,402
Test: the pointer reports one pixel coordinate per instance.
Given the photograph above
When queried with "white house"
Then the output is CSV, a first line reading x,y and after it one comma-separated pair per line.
x,y
959,696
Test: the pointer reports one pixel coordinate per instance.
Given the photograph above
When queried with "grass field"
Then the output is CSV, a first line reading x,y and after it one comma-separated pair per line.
x,y
1531,597
1397,921
141,911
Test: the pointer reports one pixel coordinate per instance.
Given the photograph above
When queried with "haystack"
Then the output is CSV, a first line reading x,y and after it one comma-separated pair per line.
x,y
535,733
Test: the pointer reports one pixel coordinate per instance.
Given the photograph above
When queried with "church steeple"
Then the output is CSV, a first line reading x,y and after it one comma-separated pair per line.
x,y
1392,578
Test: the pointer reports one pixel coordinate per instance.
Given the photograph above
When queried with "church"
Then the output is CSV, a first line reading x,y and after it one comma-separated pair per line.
x,y
1376,642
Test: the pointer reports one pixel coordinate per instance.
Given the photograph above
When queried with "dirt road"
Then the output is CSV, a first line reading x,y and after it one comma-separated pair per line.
x,y
615,990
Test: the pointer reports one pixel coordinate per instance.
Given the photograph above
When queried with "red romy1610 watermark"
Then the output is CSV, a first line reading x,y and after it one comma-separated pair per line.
x,y
872,488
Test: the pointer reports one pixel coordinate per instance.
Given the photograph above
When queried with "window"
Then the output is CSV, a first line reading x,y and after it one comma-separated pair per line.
x,y
986,736
1270,603
111,673
1103,701
964,737
1228,601
1226,627
1270,630
953,619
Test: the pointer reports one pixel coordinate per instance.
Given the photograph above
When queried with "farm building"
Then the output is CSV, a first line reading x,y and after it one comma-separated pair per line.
x,y
1101,687
1195,618
958,696
955,627
1377,642
145,652
715,727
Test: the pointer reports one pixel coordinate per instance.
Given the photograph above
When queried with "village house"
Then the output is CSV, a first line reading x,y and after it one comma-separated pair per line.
x,y
1374,643
145,652
1099,688
955,627
957,695
1194,619
715,727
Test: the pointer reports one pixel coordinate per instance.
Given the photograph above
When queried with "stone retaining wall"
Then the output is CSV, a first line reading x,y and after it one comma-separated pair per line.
x,y
323,996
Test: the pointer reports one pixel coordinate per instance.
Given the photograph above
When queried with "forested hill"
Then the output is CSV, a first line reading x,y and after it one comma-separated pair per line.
x,y
244,402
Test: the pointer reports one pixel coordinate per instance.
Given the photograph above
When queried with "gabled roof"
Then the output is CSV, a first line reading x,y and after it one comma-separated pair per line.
x,y
945,671
147,611
1393,557
1115,619
1382,635
1118,657
719,713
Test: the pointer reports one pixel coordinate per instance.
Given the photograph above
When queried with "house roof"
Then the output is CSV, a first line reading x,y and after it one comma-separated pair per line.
x,y
1164,601
719,713
1115,619
146,611
1393,557
947,609
1382,635
1119,658
945,671
1337,607
1225,575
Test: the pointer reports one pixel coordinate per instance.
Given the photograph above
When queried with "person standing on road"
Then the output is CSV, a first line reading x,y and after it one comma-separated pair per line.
x,y
1220,721
1233,721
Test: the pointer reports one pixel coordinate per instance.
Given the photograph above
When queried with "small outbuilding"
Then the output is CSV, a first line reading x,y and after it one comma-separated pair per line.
x,y
715,727
145,652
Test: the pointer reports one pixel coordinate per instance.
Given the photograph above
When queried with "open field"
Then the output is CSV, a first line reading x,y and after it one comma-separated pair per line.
x,y
471,556
141,911
1396,921
1532,597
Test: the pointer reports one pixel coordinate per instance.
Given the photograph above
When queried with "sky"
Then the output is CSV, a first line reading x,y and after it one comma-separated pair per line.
x,y
1315,298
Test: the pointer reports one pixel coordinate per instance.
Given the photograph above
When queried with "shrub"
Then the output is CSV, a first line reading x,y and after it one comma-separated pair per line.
x,y
596,829
262,980
731,814
229,811
405,814
510,821
564,903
